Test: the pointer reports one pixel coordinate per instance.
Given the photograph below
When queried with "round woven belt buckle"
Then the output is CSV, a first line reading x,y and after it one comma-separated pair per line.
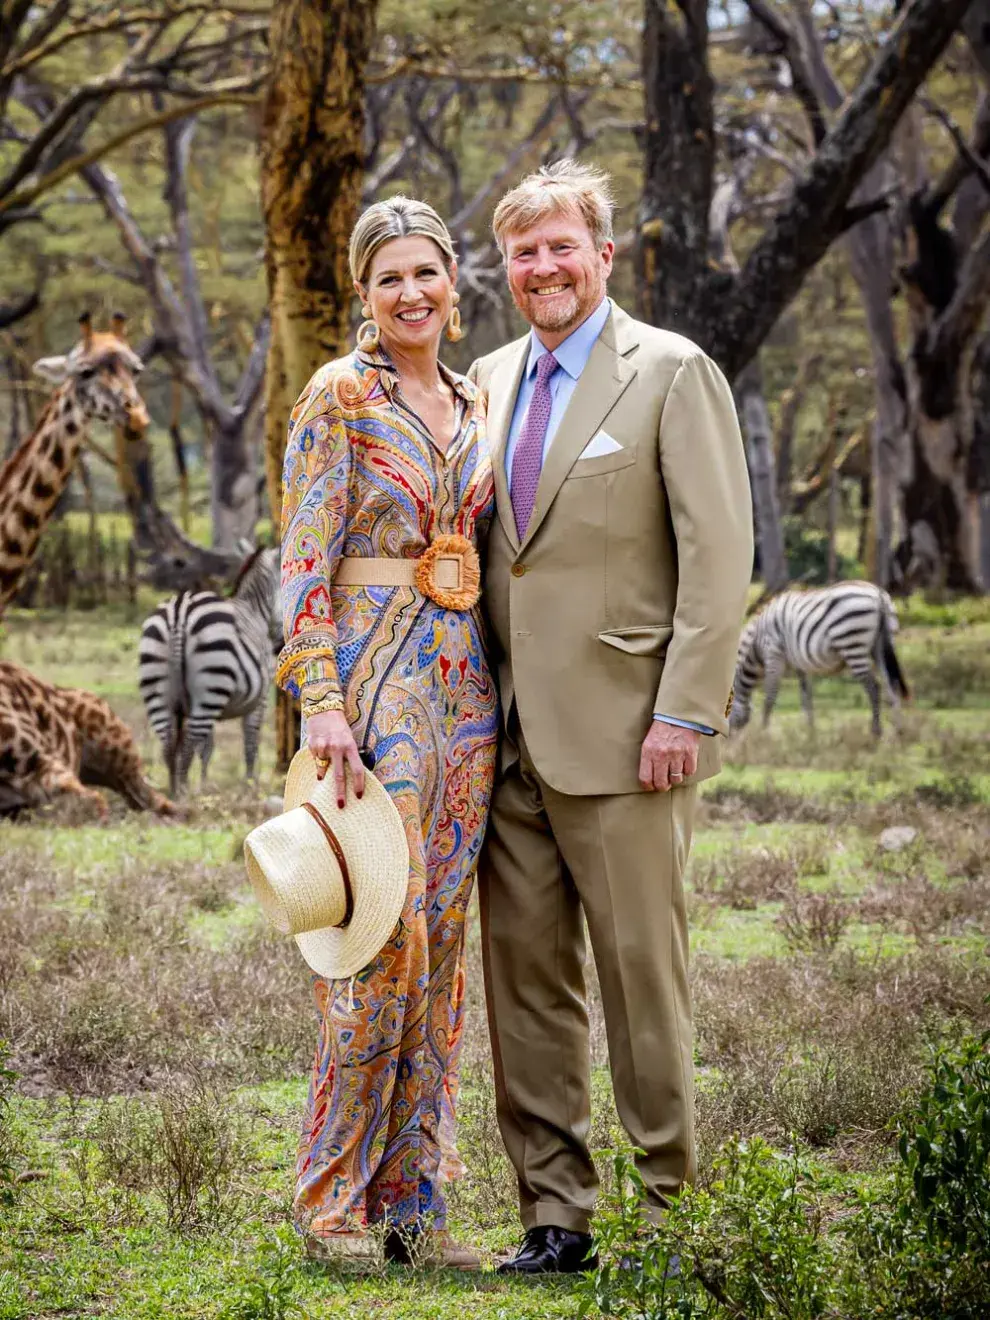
x,y
449,572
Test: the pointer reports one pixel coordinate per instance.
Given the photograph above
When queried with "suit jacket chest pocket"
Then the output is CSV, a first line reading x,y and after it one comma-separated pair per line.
x,y
602,465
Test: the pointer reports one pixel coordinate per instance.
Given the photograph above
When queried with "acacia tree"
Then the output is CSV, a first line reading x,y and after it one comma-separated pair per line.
x,y
312,168
730,309
928,460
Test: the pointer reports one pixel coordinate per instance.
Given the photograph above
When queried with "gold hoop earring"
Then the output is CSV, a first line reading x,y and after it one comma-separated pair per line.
x,y
454,331
368,334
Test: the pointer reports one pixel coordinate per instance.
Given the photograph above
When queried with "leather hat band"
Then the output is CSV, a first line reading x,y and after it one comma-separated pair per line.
x,y
338,852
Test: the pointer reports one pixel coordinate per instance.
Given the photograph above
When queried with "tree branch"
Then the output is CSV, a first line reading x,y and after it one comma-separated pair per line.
x,y
966,152
961,319
178,140
77,164
16,311
802,77
814,216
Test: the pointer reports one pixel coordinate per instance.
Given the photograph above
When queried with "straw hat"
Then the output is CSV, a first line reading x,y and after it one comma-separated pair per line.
x,y
317,860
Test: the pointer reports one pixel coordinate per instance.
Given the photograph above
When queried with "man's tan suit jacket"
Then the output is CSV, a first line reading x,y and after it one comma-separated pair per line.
x,y
627,594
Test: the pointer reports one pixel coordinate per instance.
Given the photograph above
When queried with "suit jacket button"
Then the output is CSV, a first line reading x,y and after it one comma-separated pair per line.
x,y
518,570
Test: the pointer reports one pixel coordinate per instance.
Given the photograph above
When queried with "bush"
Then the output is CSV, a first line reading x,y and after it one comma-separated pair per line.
x,y
187,1147
927,1250
754,1243
265,1289
806,549
8,1179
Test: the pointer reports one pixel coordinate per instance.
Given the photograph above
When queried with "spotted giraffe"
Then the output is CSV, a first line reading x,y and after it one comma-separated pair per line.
x,y
59,740
96,379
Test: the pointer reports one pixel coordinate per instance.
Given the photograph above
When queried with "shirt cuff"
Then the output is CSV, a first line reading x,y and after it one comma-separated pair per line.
x,y
686,724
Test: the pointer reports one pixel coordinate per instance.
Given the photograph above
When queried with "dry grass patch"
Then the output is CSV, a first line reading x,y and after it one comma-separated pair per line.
x,y
823,1047
104,987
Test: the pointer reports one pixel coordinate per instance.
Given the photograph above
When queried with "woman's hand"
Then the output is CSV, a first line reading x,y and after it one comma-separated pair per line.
x,y
330,740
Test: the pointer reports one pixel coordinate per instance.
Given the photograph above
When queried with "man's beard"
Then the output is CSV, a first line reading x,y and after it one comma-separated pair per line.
x,y
553,316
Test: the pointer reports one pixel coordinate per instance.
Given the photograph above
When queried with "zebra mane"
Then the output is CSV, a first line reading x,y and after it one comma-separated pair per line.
x,y
246,568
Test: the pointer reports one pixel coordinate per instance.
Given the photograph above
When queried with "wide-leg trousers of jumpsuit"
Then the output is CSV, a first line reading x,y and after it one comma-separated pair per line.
x,y
378,1131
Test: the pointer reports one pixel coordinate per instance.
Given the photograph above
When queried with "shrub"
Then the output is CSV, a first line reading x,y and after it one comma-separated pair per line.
x,y
806,548
8,1179
815,922
187,1147
265,1288
755,1243
927,1250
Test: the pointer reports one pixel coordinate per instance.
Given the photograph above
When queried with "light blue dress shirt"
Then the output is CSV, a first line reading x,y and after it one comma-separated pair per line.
x,y
572,356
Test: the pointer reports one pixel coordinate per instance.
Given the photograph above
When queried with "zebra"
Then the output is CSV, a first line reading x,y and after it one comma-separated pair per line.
x,y
204,658
818,631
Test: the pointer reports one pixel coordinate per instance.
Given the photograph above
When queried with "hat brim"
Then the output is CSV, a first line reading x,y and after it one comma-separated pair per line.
x,y
373,840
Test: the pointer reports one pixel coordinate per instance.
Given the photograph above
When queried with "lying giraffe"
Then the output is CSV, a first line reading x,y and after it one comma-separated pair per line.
x,y
95,380
58,740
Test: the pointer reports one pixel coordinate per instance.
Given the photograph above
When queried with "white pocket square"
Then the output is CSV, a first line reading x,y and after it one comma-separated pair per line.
x,y
599,445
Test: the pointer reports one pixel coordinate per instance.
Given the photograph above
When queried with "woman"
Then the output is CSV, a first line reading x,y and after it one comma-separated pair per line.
x,y
386,473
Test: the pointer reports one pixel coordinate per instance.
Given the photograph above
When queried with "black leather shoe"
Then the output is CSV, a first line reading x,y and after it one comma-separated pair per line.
x,y
547,1249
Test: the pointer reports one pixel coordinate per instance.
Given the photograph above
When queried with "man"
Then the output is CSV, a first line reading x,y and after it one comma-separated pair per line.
x,y
616,579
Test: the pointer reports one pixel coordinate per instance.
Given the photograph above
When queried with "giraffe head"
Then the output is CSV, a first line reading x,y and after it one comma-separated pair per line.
x,y
101,371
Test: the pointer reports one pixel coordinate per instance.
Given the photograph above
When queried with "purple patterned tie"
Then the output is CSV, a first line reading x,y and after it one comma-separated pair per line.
x,y
527,459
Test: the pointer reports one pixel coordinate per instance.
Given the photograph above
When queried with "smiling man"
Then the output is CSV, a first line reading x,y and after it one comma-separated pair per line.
x,y
615,583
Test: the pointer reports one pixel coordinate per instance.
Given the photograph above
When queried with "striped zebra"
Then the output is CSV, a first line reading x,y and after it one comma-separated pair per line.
x,y
819,631
205,658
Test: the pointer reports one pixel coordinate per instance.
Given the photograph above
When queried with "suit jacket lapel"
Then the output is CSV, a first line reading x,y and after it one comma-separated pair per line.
x,y
599,387
503,387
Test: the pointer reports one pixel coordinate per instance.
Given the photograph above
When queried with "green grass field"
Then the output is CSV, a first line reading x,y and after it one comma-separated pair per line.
x,y
161,1033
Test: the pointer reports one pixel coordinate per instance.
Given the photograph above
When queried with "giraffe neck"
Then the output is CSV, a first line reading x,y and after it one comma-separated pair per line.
x,y
31,482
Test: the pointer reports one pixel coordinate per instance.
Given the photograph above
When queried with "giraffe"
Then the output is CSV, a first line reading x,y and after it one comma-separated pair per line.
x,y
96,379
59,740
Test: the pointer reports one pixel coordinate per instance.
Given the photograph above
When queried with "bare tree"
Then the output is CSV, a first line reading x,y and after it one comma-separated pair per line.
x,y
312,166
729,313
170,50
926,465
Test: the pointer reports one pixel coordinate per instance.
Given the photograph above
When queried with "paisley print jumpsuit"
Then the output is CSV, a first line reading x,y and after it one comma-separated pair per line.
x,y
363,476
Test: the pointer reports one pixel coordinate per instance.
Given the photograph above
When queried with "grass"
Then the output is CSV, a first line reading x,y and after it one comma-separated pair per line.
x,y
162,1033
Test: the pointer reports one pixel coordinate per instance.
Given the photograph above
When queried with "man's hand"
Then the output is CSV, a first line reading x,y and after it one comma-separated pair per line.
x,y
669,755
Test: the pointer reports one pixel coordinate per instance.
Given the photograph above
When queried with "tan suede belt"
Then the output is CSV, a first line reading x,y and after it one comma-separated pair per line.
x,y
448,572
357,571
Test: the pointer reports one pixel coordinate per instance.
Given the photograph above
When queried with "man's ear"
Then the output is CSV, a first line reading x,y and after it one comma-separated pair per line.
x,y
55,369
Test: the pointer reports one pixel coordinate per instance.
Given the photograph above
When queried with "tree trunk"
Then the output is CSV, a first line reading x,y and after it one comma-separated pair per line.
x,y
759,451
234,485
871,258
730,315
312,165
945,371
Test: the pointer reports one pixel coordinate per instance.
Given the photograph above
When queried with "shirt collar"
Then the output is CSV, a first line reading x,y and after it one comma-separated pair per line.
x,y
388,372
574,352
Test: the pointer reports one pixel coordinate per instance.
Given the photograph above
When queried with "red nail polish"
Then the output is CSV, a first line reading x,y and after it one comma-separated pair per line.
x,y
340,802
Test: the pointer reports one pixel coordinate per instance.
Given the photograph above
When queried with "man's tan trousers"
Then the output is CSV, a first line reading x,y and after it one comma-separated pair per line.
x,y
621,860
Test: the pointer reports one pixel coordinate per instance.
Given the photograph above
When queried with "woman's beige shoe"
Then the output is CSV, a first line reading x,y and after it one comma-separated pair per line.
x,y
446,1254
347,1251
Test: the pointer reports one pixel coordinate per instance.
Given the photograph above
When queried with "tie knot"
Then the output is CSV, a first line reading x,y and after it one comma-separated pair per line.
x,y
545,367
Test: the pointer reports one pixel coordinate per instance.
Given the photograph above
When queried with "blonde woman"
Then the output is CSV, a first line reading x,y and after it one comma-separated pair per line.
x,y
387,481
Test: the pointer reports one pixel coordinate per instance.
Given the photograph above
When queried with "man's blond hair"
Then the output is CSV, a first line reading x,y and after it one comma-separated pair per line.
x,y
565,185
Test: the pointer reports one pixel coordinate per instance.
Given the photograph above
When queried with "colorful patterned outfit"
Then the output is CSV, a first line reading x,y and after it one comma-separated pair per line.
x,y
364,477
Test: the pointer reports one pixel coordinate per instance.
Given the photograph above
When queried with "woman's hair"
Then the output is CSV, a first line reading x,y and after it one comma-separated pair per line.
x,y
397,217
563,186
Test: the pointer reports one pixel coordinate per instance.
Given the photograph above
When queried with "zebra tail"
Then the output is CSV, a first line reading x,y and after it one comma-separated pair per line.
x,y
888,658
